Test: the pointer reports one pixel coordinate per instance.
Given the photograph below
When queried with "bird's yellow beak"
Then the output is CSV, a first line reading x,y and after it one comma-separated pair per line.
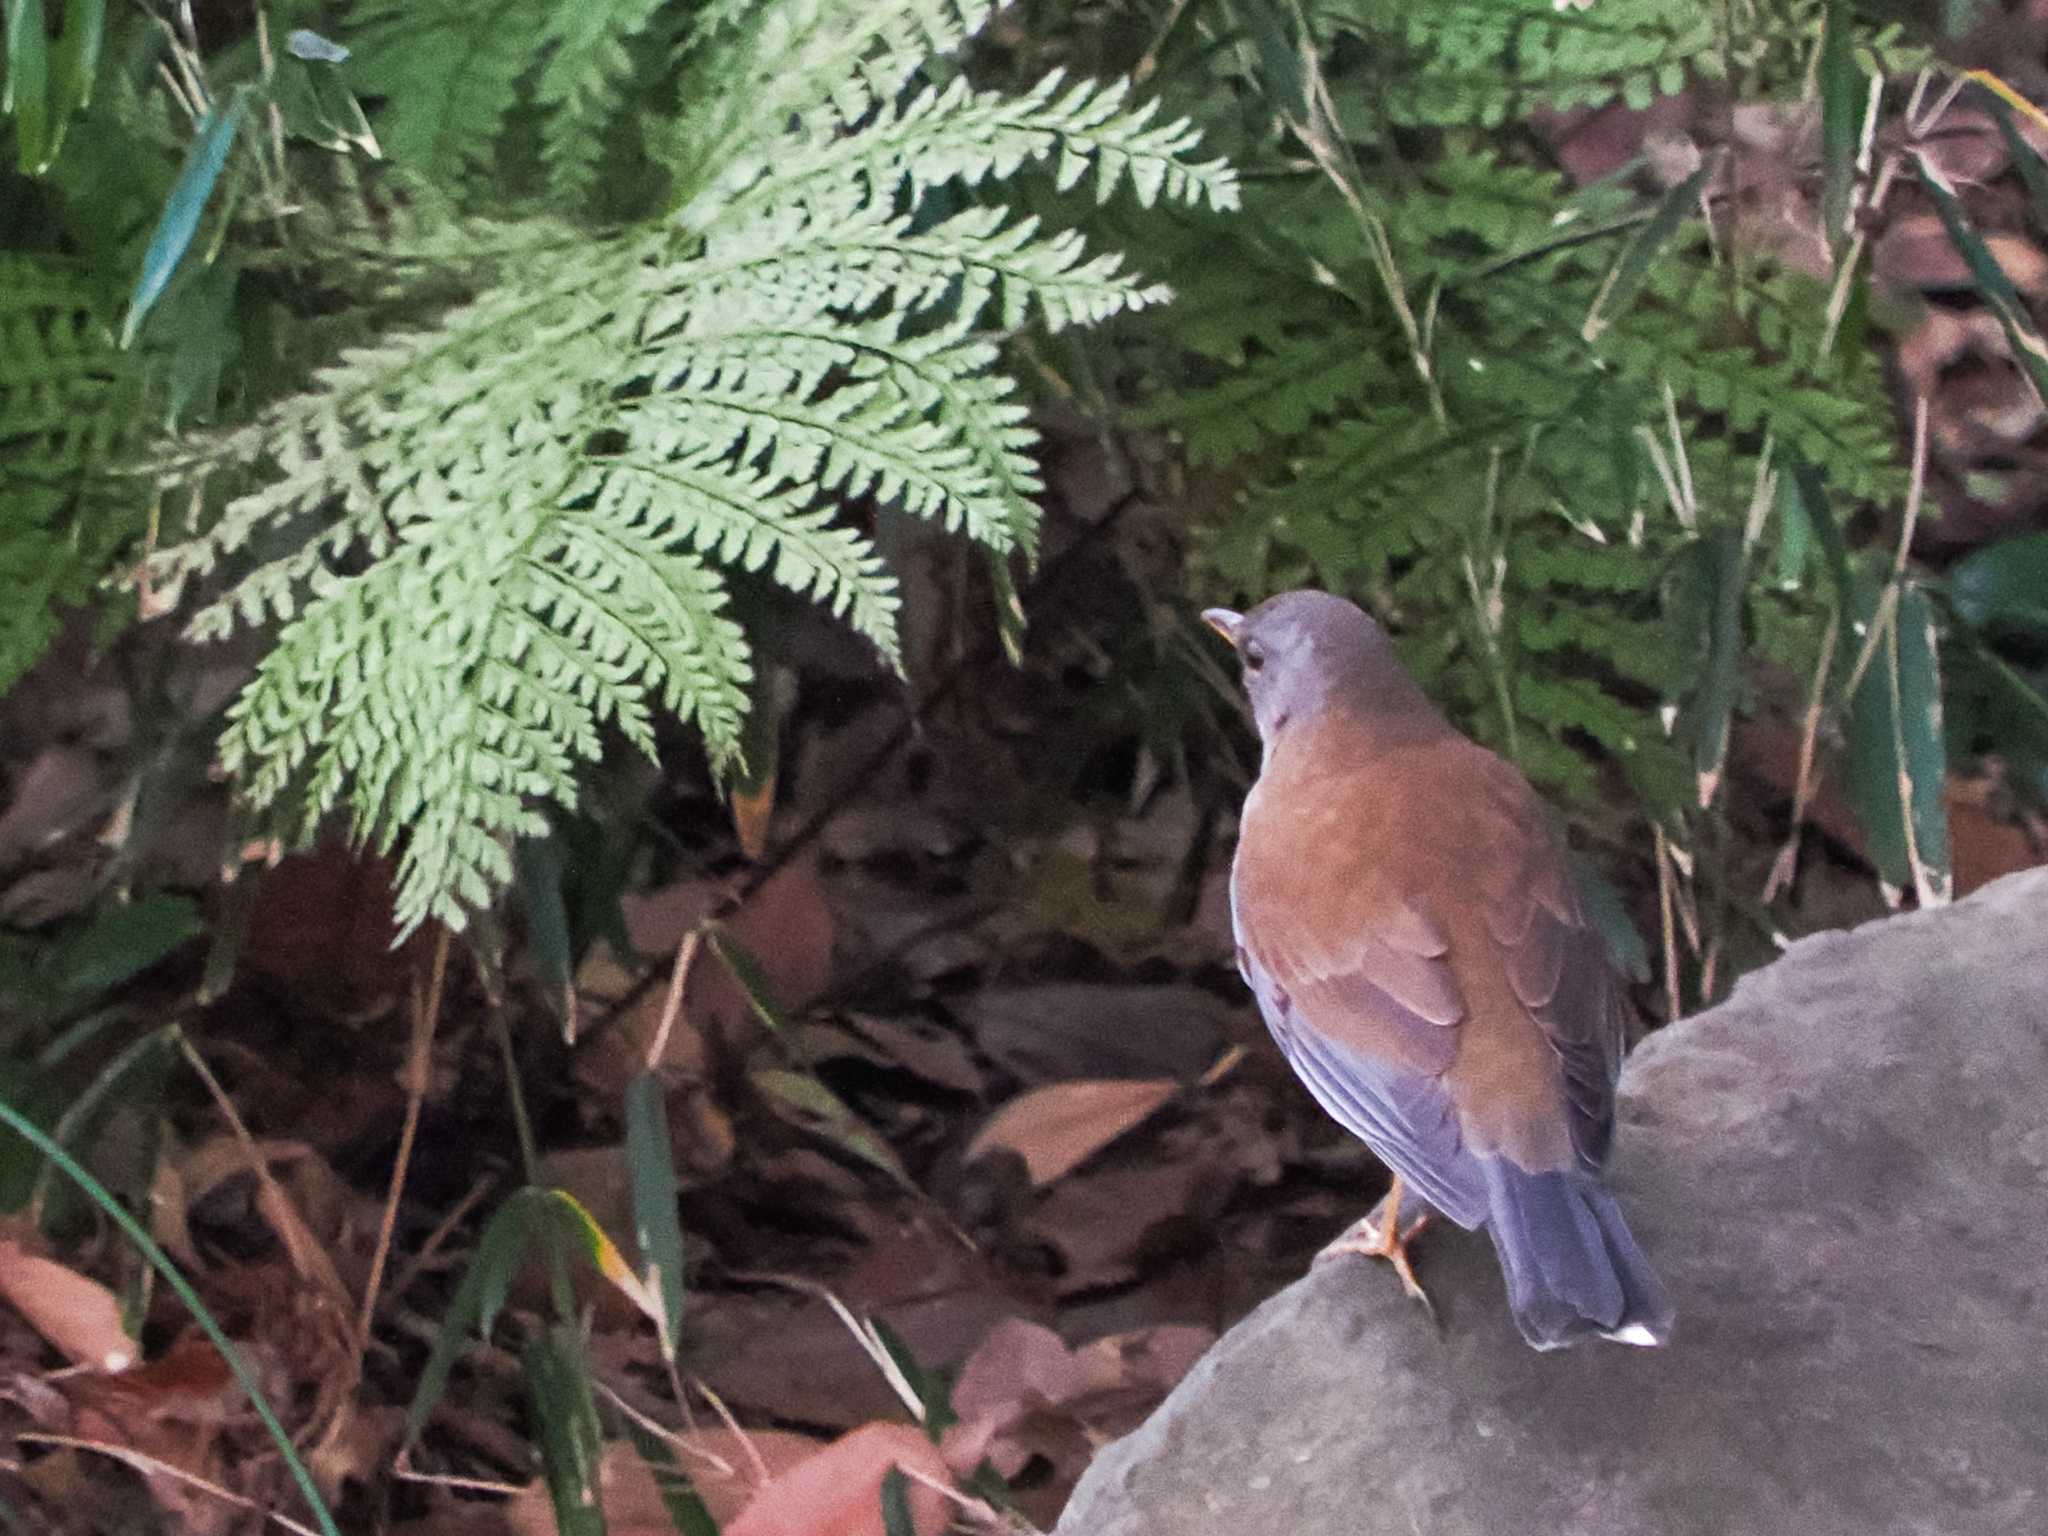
x,y
1224,621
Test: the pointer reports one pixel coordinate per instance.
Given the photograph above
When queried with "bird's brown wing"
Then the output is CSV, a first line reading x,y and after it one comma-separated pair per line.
x,y
1419,910
1357,986
1554,959
1404,1115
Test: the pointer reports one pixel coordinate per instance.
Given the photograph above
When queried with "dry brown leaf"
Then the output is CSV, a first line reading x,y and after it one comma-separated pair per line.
x,y
722,1467
1024,1393
79,1317
937,1055
1060,1126
59,791
313,1187
838,1491
1099,1223
786,926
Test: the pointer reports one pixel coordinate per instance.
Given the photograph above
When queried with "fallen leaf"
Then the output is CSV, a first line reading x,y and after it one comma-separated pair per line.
x,y
1024,1393
55,795
723,1468
1060,1126
838,1491
1052,1031
804,1101
78,1316
1099,1223
937,1055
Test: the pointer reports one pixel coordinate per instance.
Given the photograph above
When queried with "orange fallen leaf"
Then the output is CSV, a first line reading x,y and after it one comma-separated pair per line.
x,y
722,1467
77,1315
1060,1126
838,1491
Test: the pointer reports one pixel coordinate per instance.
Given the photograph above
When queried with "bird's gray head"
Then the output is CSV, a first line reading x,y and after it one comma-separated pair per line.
x,y
1307,652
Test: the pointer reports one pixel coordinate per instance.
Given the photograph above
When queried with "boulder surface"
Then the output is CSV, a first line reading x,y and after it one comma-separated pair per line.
x,y
1841,1174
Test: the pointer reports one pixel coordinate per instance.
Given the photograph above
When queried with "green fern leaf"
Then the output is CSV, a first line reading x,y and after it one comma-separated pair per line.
x,y
522,509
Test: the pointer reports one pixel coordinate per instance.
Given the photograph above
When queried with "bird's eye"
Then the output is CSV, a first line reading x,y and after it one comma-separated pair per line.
x,y
1254,655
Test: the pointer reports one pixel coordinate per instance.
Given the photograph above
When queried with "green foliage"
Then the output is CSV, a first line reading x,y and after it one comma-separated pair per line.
x,y
493,536
1537,467
68,412
1489,61
453,73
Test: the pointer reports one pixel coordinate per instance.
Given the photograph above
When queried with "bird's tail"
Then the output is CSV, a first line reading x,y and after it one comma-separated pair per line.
x,y
1573,1270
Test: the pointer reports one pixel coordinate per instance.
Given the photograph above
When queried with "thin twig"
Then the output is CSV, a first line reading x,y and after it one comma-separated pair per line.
x,y
672,1439
746,1441
308,1258
1888,600
1786,865
417,1265
402,1469
672,1005
152,1466
971,1507
426,1015
1665,877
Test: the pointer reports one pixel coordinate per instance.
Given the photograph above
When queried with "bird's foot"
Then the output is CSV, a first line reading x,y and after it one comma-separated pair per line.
x,y
1379,1236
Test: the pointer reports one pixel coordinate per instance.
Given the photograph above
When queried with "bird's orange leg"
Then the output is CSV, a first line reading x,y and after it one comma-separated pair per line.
x,y
1379,1236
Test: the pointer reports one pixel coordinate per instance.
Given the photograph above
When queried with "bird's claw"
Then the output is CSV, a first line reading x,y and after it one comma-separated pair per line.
x,y
1378,1236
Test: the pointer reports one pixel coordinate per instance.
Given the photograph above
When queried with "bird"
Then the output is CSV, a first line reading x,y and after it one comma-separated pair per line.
x,y
1407,922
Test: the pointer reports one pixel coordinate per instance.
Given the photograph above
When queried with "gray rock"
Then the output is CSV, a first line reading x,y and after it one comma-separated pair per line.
x,y
1841,1173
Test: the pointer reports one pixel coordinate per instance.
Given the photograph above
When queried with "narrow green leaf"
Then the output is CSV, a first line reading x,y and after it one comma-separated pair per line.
x,y
179,220
34,1095
651,1171
1795,533
1283,60
896,1519
752,789
1010,621
806,1100
2003,584
934,1391
1997,289
74,63
497,1258
123,941
1603,904
686,1510
1991,705
502,1250
1841,117
1810,486
27,93
1627,462
2027,160
302,43
747,971
539,861
1632,266
141,1060
1720,569
200,322
571,1439
1897,760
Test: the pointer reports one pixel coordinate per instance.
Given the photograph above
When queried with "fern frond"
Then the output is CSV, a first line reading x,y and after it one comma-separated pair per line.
x,y
70,407
502,532
1481,62
449,72
582,79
